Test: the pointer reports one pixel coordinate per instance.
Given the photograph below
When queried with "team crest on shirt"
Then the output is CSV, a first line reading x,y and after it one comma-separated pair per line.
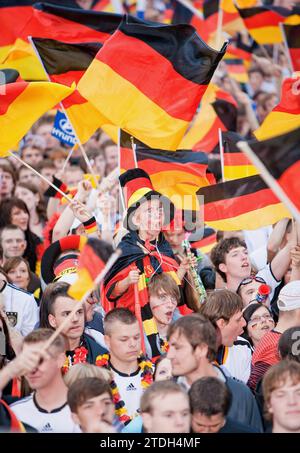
x,y
12,317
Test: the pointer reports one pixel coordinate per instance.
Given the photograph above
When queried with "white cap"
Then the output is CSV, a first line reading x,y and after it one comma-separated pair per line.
x,y
289,297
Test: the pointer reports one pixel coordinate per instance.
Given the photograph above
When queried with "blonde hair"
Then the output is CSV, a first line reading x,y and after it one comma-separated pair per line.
x,y
86,370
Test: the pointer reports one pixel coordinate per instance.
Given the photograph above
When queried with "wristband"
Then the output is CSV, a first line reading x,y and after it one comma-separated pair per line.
x,y
52,193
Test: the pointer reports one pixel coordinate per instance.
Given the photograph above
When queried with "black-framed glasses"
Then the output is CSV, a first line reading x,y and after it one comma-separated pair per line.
x,y
250,279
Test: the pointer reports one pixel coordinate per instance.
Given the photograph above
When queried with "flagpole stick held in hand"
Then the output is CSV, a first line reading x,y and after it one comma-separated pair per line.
x,y
138,315
221,153
189,6
68,158
268,178
78,304
15,156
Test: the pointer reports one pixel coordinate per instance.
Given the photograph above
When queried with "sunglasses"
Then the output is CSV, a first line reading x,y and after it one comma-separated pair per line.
x,y
248,280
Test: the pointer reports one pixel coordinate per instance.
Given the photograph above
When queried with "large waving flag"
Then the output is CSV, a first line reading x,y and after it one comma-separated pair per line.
x,y
292,37
281,157
241,204
286,115
236,163
218,110
149,80
263,22
66,63
22,104
238,58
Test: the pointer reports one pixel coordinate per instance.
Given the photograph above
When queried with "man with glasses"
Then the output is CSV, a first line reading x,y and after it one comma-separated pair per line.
x,y
254,289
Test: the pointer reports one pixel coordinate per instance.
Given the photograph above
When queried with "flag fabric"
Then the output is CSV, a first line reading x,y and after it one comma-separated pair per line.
x,y
22,104
66,63
286,115
263,22
292,35
238,58
218,110
90,264
175,174
149,80
207,242
241,204
236,163
281,157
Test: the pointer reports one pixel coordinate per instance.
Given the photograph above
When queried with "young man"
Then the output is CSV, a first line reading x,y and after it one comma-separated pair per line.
x,y
46,409
92,406
7,181
12,242
32,154
192,351
281,388
145,251
224,309
210,400
56,305
266,352
132,373
231,260
165,408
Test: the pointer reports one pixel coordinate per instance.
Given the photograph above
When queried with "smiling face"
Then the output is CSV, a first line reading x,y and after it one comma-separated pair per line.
x,y
19,218
19,276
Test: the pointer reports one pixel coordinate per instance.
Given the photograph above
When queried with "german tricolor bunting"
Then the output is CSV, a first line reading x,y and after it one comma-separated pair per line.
x,y
292,36
149,80
286,115
66,63
236,163
281,157
22,104
263,22
218,110
241,204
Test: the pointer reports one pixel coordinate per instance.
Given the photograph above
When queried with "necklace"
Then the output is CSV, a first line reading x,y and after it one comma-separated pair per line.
x,y
79,356
146,380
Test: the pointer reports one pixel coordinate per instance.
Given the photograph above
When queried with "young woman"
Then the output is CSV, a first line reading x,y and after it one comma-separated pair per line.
x,y
259,322
30,194
14,211
18,273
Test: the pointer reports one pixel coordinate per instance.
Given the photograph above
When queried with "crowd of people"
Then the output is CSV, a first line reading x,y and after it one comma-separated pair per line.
x,y
145,352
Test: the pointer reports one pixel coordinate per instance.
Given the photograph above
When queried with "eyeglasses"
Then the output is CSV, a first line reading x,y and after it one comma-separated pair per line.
x,y
258,319
250,279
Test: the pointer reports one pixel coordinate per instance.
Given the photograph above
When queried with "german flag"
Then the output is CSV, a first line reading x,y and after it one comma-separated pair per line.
x,y
218,110
262,22
149,80
22,104
236,163
183,15
231,21
238,58
281,157
292,35
90,265
66,63
241,204
286,115
208,241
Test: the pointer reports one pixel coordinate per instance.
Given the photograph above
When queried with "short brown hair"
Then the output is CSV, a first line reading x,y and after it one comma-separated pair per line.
x,y
276,377
163,283
51,293
197,330
210,396
84,370
160,388
12,263
221,304
122,315
220,250
42,335
86,388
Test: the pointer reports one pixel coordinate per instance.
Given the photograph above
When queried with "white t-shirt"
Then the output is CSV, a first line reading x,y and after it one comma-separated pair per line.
x,y
57,421
130,389
21,307
237,359
269,278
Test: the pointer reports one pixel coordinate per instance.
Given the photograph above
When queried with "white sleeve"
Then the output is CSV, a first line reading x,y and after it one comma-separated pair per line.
x,y
267,275
30,316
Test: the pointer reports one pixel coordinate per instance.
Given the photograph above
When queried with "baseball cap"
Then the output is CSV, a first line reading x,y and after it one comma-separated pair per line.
x,y
289,297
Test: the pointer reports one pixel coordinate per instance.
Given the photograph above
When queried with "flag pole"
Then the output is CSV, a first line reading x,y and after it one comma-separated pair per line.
x,y
119,167
269,179
189,6
221,153
138,314
78,304
67,159
64,111
286,46
133,146
15,156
